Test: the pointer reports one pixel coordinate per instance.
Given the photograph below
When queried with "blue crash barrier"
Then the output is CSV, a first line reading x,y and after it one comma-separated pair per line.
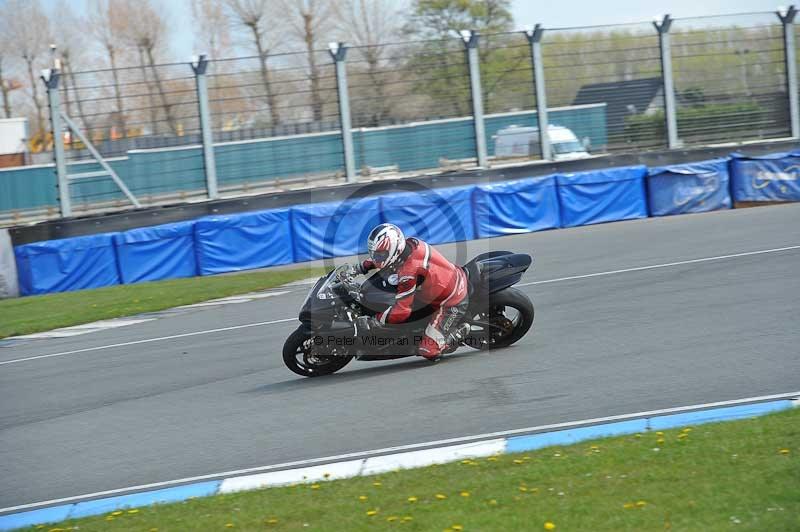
x,y
687,188
335,229
773,177
159,252
243,241
513,207
67,264
602,196
436,216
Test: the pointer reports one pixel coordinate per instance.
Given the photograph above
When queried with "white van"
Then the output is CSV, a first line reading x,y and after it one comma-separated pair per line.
x,y
520,141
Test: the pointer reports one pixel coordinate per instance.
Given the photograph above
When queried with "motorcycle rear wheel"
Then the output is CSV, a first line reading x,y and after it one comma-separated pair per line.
x,y
303,361
514,329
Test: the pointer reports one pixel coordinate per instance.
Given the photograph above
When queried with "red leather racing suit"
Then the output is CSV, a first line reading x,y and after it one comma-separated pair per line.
x,y
423,274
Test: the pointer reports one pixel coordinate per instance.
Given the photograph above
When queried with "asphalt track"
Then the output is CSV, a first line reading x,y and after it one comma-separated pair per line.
x,y
199,404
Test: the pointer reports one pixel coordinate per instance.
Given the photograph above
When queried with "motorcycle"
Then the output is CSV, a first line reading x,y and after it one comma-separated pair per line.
x,y
328,337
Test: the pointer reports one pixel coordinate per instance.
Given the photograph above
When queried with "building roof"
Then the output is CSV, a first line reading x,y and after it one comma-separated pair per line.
x,y
622,98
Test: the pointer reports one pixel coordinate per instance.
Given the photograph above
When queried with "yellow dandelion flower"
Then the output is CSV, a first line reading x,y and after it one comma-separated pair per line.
x,y
492,459
466,461
153,530
314,486
523,488
641,504
110,518
412,499
228,525
134,511
784,451
659,433
628,505
594,447
377,484
392,518
372,512
118,512
518,461
464,494
660,441
549,526
441,496
272,521
407,518
493,502
687,429
638,435
457,527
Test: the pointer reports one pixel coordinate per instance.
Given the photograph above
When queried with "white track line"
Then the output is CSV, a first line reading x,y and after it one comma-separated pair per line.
x,y
665,265
136,342
599,274
389,450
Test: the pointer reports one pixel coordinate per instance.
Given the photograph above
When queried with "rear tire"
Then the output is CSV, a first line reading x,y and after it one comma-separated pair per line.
x,y
304,362
510,297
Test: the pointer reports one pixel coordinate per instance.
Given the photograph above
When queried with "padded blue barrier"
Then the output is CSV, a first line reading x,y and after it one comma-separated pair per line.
x,y
243,241
686,188
512,207
773,177
67,264
601,196
436,216
334,229
159,252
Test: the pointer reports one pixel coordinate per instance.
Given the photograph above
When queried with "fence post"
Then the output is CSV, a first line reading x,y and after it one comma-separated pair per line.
x,y
666,73
199,66
534,36
51,77
471,42
338,52
790,54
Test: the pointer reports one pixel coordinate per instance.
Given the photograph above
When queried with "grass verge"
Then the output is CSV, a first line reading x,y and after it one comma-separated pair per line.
x,y
741,475
42,313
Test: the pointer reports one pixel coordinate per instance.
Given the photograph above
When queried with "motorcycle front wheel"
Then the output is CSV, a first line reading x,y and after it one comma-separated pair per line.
x,y
301,359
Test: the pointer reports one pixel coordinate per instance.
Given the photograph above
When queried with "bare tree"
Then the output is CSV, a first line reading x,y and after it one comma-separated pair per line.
x,y
257,16
369,25
211,28
107,23
28,28
71,45
309,21
5,53
146,29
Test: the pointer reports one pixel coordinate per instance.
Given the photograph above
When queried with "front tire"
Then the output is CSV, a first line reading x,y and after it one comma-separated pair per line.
x,y
304,362
509,330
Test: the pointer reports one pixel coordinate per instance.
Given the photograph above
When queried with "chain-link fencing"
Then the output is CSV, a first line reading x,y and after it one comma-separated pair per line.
x,y
275,121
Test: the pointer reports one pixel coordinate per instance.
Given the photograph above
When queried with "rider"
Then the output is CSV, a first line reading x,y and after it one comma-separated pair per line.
x,y
422,274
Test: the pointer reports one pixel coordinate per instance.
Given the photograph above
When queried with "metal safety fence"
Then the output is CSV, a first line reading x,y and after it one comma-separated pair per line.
x,y
157,133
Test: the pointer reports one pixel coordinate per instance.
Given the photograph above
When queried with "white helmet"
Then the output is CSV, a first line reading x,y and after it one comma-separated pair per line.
x,y
385,244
